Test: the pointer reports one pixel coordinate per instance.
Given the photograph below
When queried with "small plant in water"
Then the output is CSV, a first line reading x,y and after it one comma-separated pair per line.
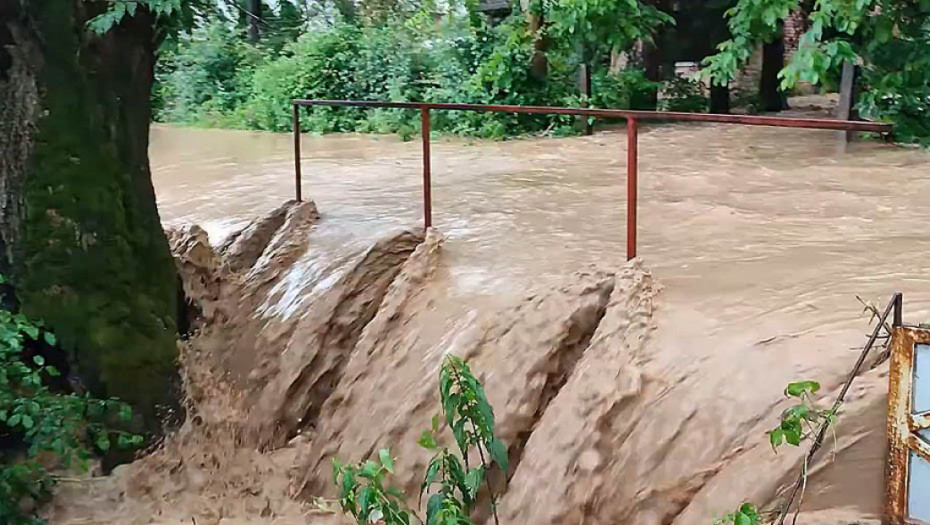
x,y
802,420
796,424
362,491
452,481
745,515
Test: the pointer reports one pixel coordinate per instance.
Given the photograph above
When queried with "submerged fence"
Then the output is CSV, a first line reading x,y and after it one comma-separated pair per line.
x,y
632,122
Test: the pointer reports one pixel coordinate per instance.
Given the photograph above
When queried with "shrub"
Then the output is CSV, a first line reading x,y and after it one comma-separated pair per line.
x,y
69,426
215,78
455,483
683,94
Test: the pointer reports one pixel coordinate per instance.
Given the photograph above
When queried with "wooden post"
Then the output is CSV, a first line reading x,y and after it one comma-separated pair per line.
x,y
584,85
848,96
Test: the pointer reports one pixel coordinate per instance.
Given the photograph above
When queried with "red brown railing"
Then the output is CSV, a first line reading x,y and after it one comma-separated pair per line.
x,y
632,119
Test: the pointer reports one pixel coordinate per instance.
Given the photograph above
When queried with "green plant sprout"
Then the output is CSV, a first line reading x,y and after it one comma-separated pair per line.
x,y
454,482
796,424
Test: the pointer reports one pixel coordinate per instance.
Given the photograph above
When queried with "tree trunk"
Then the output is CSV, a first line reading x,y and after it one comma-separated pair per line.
x,y
584,86
773,60
254,14
80,235
719,99
539,65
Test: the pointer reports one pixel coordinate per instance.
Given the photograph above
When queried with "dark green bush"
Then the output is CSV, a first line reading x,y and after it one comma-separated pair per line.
x,y
34,419
214,78
683,94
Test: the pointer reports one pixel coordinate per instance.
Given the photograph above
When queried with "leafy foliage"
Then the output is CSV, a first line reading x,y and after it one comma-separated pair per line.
x,y
746,514
888,37
801,420
119,9
796,424
363,495
684,94
69,426
411,51
451,479
599,27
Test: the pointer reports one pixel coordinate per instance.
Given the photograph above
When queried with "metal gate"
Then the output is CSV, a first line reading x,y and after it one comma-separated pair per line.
x,y
909,426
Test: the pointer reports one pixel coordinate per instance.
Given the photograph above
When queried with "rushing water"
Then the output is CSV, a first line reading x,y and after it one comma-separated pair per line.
x,y
761,238
770,219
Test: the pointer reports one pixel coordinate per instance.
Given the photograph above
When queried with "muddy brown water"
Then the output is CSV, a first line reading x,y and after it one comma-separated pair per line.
x,y
759,237
745,224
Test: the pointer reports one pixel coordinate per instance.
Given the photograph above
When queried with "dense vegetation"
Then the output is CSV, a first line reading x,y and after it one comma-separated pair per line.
x,y
890,38
42,422
215,77
449,52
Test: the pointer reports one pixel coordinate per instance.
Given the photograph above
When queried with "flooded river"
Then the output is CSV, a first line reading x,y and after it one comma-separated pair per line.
x,y
760,239
768,220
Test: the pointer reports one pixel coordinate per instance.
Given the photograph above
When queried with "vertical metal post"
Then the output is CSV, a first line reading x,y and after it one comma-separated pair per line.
x,y
631,186
296,124
898,306
427,190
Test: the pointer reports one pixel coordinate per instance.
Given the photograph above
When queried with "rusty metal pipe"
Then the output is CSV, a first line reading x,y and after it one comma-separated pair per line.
x,y
748,120
632,118
898,310
427,183
296,124
632,182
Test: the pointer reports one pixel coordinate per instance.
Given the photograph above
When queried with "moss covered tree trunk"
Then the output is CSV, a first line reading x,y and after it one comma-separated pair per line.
x,y
80,235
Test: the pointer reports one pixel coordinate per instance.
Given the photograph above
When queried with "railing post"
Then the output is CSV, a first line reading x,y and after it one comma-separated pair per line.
x,y
632,155
296,125
898,314
427,190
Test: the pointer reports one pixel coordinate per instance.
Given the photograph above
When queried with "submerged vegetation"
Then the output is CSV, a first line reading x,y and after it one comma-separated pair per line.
x,y
452,481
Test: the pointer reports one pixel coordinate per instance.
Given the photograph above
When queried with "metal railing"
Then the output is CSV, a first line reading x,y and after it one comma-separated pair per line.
x,y
632,119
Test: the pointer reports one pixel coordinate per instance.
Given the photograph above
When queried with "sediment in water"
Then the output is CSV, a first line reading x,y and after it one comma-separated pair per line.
x,y
301,356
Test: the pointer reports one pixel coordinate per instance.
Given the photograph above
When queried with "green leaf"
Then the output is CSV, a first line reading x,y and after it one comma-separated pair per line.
x,y
26,422
473,480
499,453
348,482
432,470
792,436
427,440
49,338
796,389
52,371
386,459
30,330
776,437
125,412
103,443
14,420
39,360
369,470
366,498
434,423
433,506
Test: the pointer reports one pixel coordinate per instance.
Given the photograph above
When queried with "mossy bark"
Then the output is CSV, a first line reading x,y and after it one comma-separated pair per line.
x,y
79,231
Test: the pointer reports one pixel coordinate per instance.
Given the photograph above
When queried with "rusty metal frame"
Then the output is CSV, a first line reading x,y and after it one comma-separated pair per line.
x,y
903,424
632,118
